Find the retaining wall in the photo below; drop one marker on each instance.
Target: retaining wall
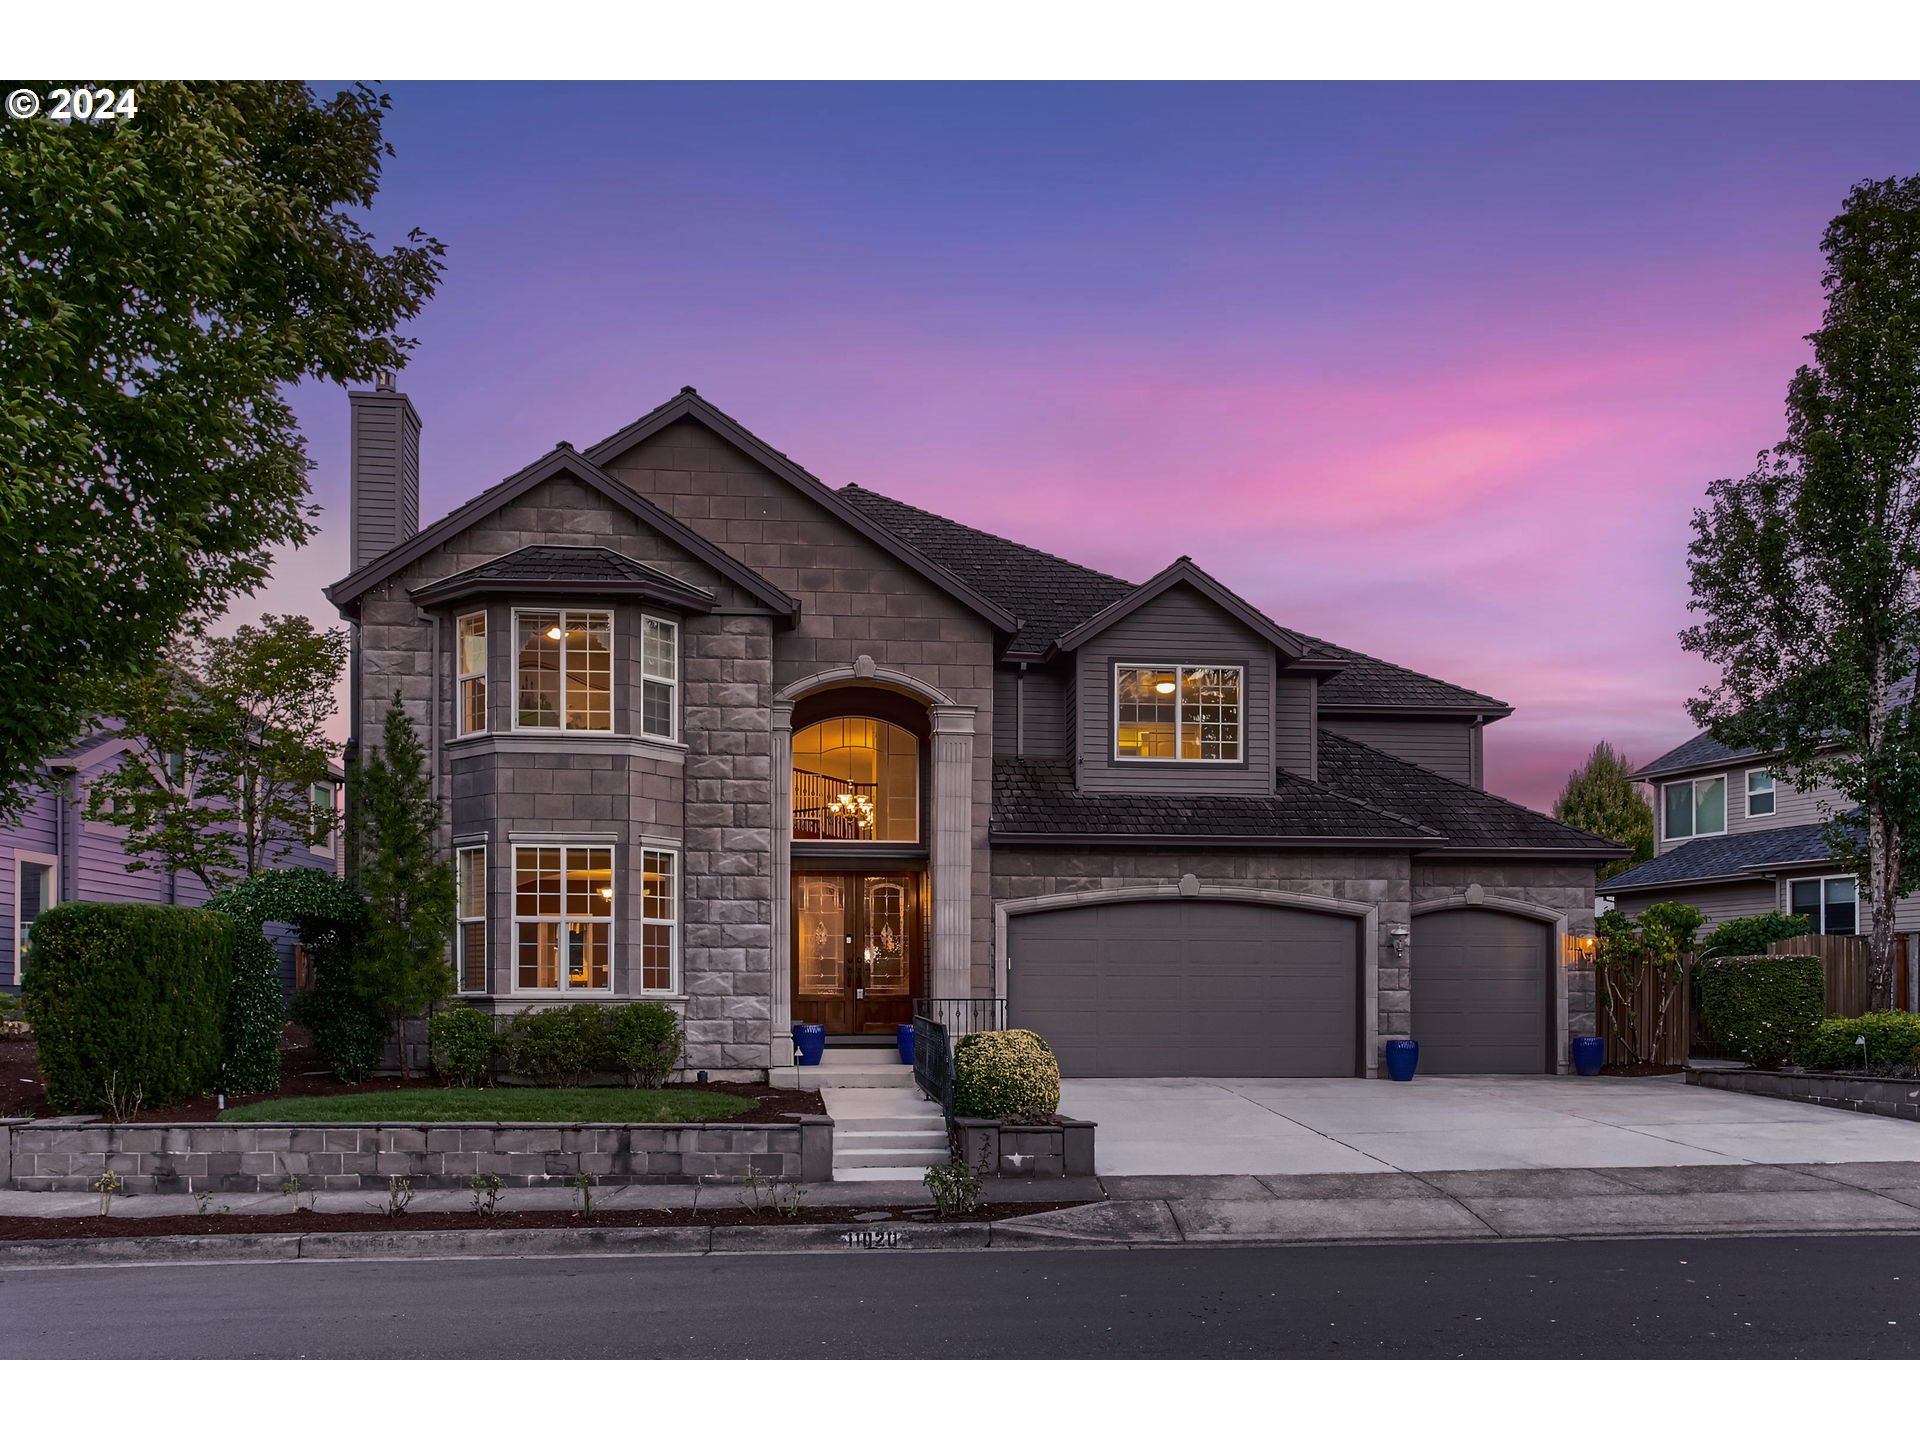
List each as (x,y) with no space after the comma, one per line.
(1899,1099)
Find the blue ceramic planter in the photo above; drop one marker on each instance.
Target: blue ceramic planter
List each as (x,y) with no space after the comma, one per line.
(1589,1054)
(903,1036)
(1403,1058)
(812,1043)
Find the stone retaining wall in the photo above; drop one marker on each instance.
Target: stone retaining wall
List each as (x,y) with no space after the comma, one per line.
(993,1147)
(174,1159)
(1899,1099)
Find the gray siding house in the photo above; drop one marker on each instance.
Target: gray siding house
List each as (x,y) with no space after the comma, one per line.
(710,731)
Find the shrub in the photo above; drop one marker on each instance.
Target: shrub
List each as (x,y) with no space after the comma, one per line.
(560,1046)
(1761,1007)
(1752,934)
(1893,1038)
(128,1002)
(464,1044)
(954,1186)
(643,1043)
(997,1073)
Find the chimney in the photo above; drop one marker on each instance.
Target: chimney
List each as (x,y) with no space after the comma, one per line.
(384,470)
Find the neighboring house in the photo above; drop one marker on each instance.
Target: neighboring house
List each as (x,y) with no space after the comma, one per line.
(709,731)
(53,853)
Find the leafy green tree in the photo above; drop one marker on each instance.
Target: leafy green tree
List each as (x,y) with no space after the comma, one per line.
(401,966)
(229,739)
(1598,797)
(1752,934)
(163,278)
(1806,571)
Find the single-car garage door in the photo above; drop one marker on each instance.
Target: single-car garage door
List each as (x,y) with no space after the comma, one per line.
(1480,992)
(1188,987)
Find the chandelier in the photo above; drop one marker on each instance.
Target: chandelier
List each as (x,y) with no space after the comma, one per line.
(857,808)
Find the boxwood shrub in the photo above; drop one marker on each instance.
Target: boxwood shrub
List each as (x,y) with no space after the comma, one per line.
(563,1045)
(999,1073)
(128,1003)
(464,1043)
(1893,1038)
(643,1043)
(1761,1008)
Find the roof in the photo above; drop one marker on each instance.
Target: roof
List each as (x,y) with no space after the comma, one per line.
(1184,572)
(1054,596)
(1470,819)
(561,569)
(1724,857)
(1036,799)
(1699,752)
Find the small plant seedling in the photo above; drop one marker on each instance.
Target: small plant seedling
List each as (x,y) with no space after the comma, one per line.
(486,1194)
(107,1186)
(291,1187)
(583,1182)
(203,1202)
(399,1195)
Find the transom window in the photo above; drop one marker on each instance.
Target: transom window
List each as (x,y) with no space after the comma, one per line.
(659,667)
(1832,902)
(563,663)
(1177,712)
(1695,807)
(563,917)
(856,778)
(471,663)
(1759,793)
(470,906)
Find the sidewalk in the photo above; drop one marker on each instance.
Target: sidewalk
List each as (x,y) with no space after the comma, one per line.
(1121,1212)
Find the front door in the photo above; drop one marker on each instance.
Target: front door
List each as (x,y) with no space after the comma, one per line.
(856,950)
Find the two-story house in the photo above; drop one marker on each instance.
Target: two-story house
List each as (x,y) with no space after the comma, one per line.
(710,731)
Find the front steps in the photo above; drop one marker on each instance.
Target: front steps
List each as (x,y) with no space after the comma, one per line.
(883,1127)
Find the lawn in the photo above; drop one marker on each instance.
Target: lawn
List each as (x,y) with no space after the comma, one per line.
(508,1104)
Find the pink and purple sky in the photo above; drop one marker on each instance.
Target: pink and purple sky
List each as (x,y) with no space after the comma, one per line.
(1434,371)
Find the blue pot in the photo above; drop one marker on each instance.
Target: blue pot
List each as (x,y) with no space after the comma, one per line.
(903,1037)
(1403,1058)
(812,1041)
(1589,1054)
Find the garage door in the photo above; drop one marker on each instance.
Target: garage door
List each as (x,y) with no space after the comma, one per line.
(1188,987)
(1480,996)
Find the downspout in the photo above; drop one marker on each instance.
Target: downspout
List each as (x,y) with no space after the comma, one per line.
(1020,712)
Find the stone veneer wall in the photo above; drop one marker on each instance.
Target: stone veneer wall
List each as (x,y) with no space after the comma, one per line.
(175,1159)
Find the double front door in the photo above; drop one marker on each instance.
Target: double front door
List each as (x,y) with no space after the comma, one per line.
(857,950)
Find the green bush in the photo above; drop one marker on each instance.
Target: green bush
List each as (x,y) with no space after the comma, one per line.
(643,1043)
(348,1031)
(560,1046)
(128,1003)
(464,1044)
(1893,1038)
(997,1073)
(325,911)
(1761,1007)
(1752,934)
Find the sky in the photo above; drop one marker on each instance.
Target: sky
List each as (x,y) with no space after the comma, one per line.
(1438,372)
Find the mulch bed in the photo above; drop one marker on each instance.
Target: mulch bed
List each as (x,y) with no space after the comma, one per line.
(365,1219)
(1641,1070)
(304,1073)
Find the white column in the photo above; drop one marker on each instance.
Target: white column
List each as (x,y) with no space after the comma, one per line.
(951,836)
(780,1067)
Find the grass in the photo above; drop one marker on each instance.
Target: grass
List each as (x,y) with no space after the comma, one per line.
(508,1104)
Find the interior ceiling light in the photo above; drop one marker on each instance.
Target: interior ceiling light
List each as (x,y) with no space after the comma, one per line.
(554,633)
(606,892)
(1164,687)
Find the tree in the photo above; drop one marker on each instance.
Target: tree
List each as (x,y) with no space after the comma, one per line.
(163,278)
(1806,571)
(1598,797)
(401,965)
(229,739)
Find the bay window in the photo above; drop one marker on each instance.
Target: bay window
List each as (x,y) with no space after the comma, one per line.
(563,917)
(470,908)
(1692,808)
(563,669)
(470,649)
(1177,712)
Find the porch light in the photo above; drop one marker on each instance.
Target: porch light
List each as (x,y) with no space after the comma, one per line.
(1582,947)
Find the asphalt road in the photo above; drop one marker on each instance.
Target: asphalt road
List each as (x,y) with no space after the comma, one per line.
(1827,1296)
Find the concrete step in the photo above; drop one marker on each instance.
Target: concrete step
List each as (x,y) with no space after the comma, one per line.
(922,1139)
(860,1059)
(883,1172)
(891,1125)
(889,1156)
(819,1077)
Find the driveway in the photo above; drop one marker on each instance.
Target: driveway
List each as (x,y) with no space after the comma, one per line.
(1306,1127)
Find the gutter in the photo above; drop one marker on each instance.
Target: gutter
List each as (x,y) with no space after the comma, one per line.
(1535,852)
(1272,842)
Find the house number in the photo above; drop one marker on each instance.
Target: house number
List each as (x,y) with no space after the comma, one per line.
(874,1239)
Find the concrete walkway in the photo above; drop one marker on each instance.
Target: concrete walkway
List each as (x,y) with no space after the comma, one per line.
(1358,1127)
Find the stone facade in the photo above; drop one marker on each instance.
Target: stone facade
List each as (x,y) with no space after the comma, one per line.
(176,1159)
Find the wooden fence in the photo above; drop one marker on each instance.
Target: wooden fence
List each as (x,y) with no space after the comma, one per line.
(1656,1044)
(1844,959)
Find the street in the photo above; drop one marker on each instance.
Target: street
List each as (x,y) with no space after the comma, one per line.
(1814,1297)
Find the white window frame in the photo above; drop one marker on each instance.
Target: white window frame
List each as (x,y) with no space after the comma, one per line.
(672,925)
(672,682)
(612,919)
(1179,670)
(1821,927)
(22,859)
(1771,792)
(462,676)
(465,916)
(325,847)
(1725,807)
(563,611)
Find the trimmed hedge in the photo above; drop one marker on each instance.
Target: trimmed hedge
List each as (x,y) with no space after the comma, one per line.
(561,1046)
(129,1003)
(643,1043)
(1761,1007)
(1752,934)
(1893,1038)
(464,1045)
(998,1073)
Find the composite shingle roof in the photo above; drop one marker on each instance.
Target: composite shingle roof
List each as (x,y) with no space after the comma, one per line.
(1723,857)
(568,567)
(1701,750)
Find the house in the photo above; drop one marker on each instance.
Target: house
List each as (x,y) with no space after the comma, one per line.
(708,730)
(52,852)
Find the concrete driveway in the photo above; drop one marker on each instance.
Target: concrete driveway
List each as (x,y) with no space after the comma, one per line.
(1307,1127)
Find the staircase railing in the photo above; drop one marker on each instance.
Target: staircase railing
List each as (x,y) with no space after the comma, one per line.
(937,1024)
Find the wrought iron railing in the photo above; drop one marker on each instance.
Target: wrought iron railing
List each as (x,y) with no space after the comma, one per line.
(937,1024)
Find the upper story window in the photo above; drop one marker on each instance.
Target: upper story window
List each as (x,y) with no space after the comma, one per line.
(563,669)
(659,667)
(856,778)
(1690,808)
(1832,903)
(1177,712)
(1759,793)
(471,665)
(322,806)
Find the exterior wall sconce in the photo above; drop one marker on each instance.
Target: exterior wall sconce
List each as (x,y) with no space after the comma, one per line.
(1582,948)
(1402,940)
